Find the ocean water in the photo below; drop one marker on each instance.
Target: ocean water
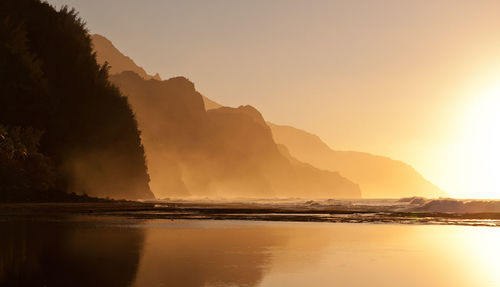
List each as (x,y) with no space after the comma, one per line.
(121,251)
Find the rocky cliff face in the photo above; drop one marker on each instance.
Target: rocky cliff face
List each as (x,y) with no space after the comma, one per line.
(171,117)
(117,61)
(378,176)
(225,152)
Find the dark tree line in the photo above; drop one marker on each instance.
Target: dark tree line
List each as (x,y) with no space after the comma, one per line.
(53,92)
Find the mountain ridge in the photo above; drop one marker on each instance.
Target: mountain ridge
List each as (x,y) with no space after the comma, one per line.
(121,62)
(316,149)
(310,148)
(228,152)
(378,176)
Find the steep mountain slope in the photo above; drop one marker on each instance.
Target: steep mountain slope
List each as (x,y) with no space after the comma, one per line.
(109,53)
(226,152)
(55,98)
(378,177)
(171,117)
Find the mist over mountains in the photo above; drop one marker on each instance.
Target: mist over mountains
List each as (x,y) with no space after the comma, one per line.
(76,115)
(282,161)
(378,176)
(224,152)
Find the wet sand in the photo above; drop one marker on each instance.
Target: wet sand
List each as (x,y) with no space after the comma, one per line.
(249,211)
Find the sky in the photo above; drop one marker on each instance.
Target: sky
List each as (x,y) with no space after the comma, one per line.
(418,81)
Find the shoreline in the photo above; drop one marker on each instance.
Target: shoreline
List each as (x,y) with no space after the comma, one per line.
(215,211)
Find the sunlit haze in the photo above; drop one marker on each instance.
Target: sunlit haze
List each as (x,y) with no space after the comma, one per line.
(415,81)
(250,143)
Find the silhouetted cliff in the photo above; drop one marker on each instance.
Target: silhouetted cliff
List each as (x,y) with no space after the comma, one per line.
(51,83)
(108,52)
(378,176)
(222,152)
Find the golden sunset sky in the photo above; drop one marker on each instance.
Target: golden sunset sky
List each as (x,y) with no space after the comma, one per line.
(418,81)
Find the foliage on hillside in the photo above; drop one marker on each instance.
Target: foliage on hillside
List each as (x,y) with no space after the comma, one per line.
(52,87)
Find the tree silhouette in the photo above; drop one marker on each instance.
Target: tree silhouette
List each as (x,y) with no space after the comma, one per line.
(50,81)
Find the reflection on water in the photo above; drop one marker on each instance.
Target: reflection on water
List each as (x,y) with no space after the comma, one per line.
(206,253)
(68,253)
(94,251)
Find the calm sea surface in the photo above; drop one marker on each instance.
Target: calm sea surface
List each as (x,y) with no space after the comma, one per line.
(111,251)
